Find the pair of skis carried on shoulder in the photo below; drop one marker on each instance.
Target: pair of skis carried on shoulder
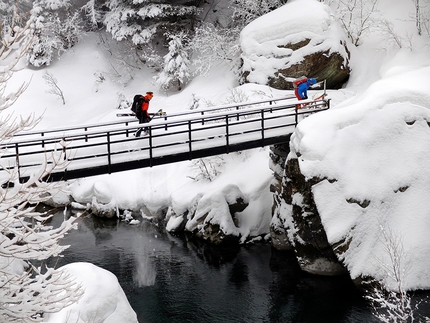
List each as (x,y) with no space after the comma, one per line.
(159,114)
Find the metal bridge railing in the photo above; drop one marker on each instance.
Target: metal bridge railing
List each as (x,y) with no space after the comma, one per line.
(107,148)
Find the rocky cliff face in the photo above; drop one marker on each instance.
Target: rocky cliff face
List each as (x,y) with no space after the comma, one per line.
(278,233)
(296,222)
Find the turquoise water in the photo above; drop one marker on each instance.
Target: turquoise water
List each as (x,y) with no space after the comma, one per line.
(174,279)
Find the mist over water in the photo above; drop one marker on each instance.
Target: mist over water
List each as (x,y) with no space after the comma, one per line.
(144,271)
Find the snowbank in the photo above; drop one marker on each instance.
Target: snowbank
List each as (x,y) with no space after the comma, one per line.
(375,150)
(153,190)
(103,301)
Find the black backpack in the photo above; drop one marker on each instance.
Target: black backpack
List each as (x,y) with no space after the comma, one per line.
(137,103)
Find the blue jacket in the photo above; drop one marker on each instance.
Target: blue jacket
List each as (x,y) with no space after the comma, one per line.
(302,89)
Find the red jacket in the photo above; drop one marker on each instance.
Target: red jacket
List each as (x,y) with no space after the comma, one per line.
(145,104)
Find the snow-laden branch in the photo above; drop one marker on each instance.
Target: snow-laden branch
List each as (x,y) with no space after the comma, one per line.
(36,291)
(28,292)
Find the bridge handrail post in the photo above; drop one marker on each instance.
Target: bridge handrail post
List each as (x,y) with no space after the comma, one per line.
(203,119)
(262,128)
(109,152)
(150,146)
(43,141)
(63,144)
(189,140)
(86,136)
(17,160)
(227,135)
(64,149)
(296,109)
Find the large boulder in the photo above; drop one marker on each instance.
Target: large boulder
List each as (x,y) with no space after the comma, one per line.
(302,38)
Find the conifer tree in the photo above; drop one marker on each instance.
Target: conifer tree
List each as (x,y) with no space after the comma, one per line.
(93,14)
(176,71)
(143,20)
(245,11)
(57,28)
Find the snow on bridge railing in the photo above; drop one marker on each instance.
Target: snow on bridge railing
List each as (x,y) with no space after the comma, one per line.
(218,108)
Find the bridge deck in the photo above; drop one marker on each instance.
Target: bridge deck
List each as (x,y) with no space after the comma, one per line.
(107,148)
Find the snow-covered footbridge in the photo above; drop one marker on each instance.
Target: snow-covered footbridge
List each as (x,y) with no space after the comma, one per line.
(111,147)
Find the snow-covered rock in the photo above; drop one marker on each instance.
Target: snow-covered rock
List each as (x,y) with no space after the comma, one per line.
(214,219)
(366,164)
(175,223)
(103,301)
(300,38)
(103,204)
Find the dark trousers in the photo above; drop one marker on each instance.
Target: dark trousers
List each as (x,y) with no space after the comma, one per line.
(142,119)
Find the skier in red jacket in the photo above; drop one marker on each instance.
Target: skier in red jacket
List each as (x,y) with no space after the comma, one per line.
(143,115)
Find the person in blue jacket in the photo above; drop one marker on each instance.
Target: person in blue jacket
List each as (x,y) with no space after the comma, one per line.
(301,91)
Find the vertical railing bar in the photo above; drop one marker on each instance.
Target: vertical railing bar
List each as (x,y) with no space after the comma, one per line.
(43,141)
(17,160)
(86,136)
(63,144)
(109,152)
(325,88)
(262,128)
(189,141)
(64,148)
(150,147)
(296,115)
(227,135)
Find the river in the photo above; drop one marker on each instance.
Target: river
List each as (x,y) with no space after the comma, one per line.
(177,280)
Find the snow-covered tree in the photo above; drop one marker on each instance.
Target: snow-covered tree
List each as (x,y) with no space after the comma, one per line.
(93,14)
(422,16)
(393,303)
(245,11)
(357,17)
(27,291)
(176,71)
(214,44)
(143,20)
(57,28)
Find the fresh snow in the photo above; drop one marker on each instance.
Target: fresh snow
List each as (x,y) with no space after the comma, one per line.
(103,299)
(374,142)
(386,132)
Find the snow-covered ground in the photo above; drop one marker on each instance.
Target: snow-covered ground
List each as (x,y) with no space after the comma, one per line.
(368,141)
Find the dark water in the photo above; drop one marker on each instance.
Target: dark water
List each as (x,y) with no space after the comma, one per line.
(172,279)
